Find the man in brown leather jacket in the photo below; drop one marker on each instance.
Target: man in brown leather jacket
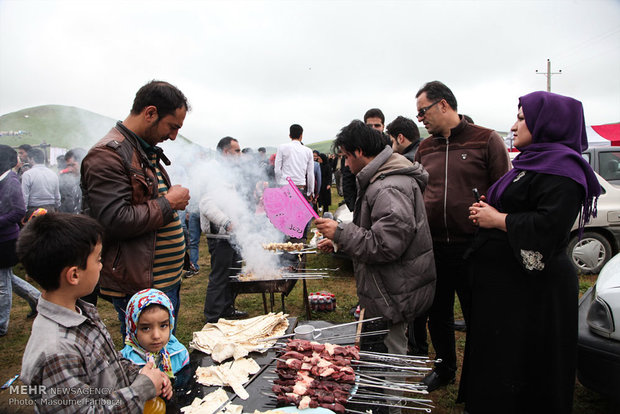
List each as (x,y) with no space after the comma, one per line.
(458,156)
(127,190)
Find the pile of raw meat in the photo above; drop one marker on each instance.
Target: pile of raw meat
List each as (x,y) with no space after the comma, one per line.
(315,375)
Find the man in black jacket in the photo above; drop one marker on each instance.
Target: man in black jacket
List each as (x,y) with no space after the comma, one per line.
(405,137)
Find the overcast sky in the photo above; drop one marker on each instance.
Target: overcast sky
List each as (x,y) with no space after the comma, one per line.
(252,68)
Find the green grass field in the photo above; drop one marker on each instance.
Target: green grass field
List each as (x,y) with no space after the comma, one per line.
(191,319)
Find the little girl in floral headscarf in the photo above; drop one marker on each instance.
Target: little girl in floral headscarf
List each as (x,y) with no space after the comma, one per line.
(148,318)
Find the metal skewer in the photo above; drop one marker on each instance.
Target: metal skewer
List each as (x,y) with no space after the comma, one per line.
(377,364)
(371,379)
(361,335)
(383,404)
(348,323)
(334,336)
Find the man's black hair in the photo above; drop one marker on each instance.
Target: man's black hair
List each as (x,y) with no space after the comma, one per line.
(25,147)
(165,97)
(224,143)
(295,131)
(468,118)
(436,91)
(8,158)
(405,126)
(261,149)
(54,241)
(374,113)
(36,155)
(358,135)
(60,162)
(77,154)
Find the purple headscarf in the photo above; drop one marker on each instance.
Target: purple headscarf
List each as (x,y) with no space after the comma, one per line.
(559,137)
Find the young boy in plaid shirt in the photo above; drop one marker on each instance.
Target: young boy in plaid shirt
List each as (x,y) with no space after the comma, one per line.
(70,361)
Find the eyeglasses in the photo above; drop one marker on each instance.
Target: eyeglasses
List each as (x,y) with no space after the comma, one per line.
(424,110)
(375,125)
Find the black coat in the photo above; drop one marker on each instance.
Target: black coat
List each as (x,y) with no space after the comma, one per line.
(521,348)
(349,187)
(325,194)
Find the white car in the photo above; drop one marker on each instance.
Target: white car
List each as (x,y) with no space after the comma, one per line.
(598,363)
(600,239)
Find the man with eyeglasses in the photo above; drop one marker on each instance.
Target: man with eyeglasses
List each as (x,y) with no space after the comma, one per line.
(459,156)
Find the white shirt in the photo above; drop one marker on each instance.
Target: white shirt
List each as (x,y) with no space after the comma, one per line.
(295,160)
(40,187)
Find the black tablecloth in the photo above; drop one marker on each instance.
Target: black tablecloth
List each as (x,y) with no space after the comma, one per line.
(260,384)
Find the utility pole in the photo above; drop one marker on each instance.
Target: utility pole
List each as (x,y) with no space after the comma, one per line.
(548,74)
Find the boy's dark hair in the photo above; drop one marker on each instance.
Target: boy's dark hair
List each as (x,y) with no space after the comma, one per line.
(295,131)
(374,113)
(25,147)
(165,97)
(224,143)
(54,241)
(8,158)
(36,155)
(405,126)
(436,91)
(358,135)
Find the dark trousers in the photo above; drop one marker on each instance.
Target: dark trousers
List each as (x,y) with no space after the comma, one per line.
(452,276)
(120,304)
(416,333)
(220,298)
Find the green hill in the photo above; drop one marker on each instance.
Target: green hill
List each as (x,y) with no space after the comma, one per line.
(57,125)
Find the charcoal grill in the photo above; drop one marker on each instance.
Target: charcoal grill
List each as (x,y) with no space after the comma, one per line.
(283,286)
(264,287)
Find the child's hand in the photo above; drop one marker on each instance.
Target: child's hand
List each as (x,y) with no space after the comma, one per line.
(159,379)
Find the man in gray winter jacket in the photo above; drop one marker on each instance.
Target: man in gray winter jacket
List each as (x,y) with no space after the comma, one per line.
(389,239)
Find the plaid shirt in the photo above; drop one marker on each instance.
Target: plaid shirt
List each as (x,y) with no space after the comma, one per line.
(71,366)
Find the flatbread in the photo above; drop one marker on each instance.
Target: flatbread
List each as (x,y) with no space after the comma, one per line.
(234,374)
(237,338)
(210,402)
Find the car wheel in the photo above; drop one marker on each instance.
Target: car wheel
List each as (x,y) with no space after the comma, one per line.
(590,253)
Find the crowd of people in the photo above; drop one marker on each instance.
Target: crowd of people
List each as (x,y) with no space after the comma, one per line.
(29,188)
(419,236)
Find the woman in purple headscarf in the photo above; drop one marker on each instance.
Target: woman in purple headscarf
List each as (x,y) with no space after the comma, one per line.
(520,354)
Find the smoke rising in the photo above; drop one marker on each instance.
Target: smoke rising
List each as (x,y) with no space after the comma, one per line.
(235,187)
